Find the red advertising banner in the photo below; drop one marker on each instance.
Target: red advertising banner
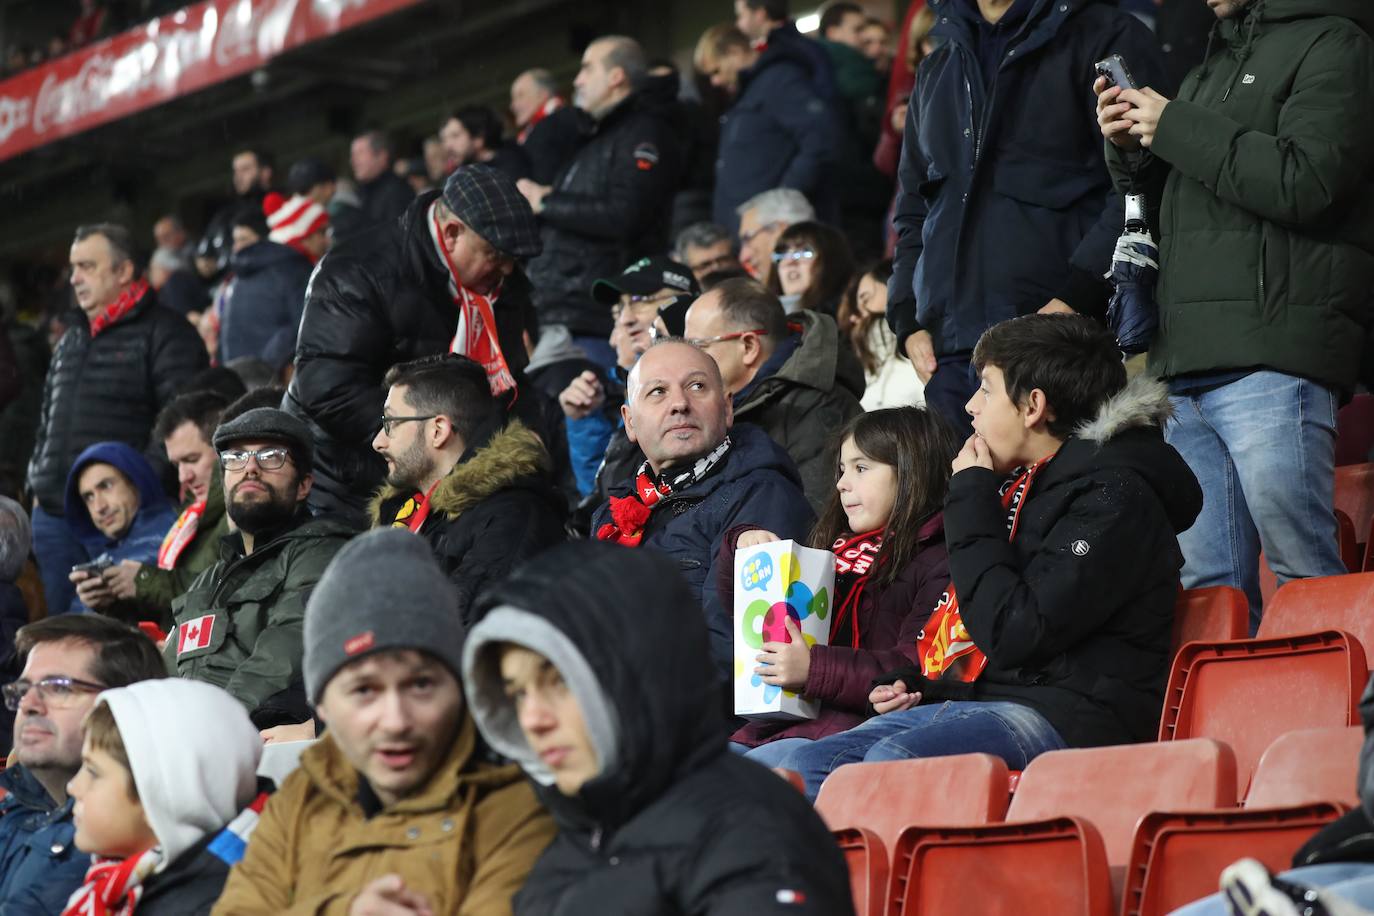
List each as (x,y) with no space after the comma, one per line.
(193,48)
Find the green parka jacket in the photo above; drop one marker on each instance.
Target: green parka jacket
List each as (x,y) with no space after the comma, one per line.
(1266,220)
(239,626)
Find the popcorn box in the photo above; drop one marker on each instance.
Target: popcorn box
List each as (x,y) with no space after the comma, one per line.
(772,582)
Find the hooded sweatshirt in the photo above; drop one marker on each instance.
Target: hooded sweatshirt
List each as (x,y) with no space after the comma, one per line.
(155,513)
(672,823)
(190,788)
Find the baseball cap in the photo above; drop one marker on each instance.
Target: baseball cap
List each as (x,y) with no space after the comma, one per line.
(645,276)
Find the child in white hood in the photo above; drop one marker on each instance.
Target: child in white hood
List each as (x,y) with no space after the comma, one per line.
(165,798)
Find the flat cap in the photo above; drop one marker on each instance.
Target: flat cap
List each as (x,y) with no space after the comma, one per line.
(269,425)
(487,200)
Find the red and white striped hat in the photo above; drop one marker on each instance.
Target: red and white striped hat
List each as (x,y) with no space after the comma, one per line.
(291,220)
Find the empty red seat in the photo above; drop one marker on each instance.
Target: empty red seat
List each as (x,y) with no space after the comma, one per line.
(867,805)
(1309,765)
(1354,494)
(1109,787)
(1326,603)
(1210,615)
(1047,868)
(1247,693)
(1178,858)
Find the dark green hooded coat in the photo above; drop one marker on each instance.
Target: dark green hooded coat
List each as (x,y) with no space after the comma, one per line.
(1266,222)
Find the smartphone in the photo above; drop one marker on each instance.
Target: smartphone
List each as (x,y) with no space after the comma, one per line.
(1114,69)
(95,567)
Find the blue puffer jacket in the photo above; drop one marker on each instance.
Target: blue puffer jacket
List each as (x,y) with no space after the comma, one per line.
(40,865)
(757,485)
(264,305)
(155,513)
(1005,202)
(781,130)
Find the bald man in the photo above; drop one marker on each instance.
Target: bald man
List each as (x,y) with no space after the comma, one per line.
(702,477)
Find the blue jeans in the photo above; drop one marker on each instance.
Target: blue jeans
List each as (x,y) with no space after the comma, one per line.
(56,551)
(1011,731)
(771,754)
(1350,881)
(1264,450)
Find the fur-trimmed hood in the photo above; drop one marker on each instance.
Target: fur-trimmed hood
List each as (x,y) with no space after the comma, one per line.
(512,453)
(1143,402)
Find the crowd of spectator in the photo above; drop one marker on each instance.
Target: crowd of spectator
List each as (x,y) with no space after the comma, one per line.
(380,544)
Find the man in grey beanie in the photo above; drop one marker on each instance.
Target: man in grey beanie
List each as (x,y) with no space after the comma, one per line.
(394,809)
(445,278)
(239,626)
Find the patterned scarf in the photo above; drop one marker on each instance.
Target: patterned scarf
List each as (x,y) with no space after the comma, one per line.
(944,646)
(414,511)
(855,559)
(476,335)
(629,514)
(180,534)
(120,307)
(113,886)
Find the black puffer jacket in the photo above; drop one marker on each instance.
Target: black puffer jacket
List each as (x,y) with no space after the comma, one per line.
(1075,614)
(379,299)
(677,824)
(110,388)
(497,508)
(609,207)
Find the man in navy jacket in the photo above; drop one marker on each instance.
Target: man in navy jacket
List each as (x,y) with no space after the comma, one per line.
(1005,207)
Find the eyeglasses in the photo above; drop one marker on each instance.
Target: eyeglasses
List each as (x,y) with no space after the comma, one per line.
(746,237)
(642,303)
(803,254)
(389,423)
(268,459)
(701,343)
(56,692)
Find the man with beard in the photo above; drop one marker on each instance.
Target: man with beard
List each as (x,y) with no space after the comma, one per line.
(472,482)
(67,661)
(239,625)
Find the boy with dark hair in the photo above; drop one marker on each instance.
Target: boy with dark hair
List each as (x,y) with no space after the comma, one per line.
(160,818)
(1062,521)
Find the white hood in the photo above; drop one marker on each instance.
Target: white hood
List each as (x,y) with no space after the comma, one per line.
(194,755)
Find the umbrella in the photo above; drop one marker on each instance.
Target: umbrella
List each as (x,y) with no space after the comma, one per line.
(1132,314)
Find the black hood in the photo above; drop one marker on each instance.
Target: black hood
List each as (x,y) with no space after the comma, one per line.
(632,617)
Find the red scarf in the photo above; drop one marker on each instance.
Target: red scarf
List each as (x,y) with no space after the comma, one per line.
(855,559)
(180,534)
(476,335)
(120,307)
(412,515)
(629,514)
(944,646)
(552,104)
(113,886)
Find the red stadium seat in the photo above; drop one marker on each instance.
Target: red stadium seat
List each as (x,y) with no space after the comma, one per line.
(1247,693)
(1307,766)
(867,805)
(1354,494)
(1355,556)
(1048,868)
(792,777)
(1210,615)
(1107,787)
(1178,858)
(1327,603)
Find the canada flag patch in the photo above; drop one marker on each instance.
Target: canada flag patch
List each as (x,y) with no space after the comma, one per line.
(195,634)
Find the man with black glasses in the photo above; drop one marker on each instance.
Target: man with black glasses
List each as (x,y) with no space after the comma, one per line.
(239,625)
(68,660)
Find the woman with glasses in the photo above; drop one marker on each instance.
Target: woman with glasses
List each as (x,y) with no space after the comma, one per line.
(812,267)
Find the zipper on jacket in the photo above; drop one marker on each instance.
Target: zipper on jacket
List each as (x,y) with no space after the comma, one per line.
(1264,250)
(596,838)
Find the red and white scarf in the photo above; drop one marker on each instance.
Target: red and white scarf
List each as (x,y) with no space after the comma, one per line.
(120,307)
(113,886)
(944,646)
(181,533)
(629,514)
(414,511)
(476,335)
(856,556)
(552,104)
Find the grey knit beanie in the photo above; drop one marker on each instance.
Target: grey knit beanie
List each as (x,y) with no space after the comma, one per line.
(382,591)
